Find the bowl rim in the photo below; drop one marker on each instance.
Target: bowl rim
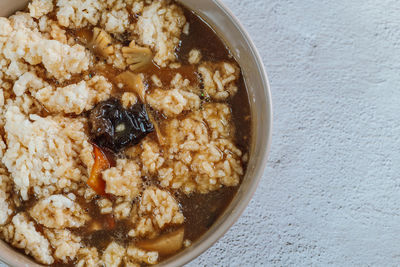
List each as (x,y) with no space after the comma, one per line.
(207,243)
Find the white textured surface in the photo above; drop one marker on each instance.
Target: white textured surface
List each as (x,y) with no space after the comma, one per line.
(330,194)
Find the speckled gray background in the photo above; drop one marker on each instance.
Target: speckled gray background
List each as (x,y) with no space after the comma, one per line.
(330,194)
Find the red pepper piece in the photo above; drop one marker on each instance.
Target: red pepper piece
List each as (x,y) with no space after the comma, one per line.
(101,163)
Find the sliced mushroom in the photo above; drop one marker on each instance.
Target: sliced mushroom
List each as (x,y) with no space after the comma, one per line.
(160,137)
(102,42)
(134,83)
(166,244)
(136,56)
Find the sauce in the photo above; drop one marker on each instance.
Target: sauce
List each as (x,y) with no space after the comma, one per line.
(200,210)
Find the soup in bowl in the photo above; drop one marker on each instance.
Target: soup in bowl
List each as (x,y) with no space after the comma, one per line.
(133,132)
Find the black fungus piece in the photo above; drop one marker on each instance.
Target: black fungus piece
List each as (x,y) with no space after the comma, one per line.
(114,127)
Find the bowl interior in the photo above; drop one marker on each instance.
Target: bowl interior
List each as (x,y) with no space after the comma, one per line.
(230,30)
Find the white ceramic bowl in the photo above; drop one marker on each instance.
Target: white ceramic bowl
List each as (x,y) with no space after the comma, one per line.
(230,30)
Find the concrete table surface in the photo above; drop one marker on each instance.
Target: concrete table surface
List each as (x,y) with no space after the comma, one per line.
(330,194)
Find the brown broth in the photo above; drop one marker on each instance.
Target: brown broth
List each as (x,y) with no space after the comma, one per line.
(201,211)
(202,37)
